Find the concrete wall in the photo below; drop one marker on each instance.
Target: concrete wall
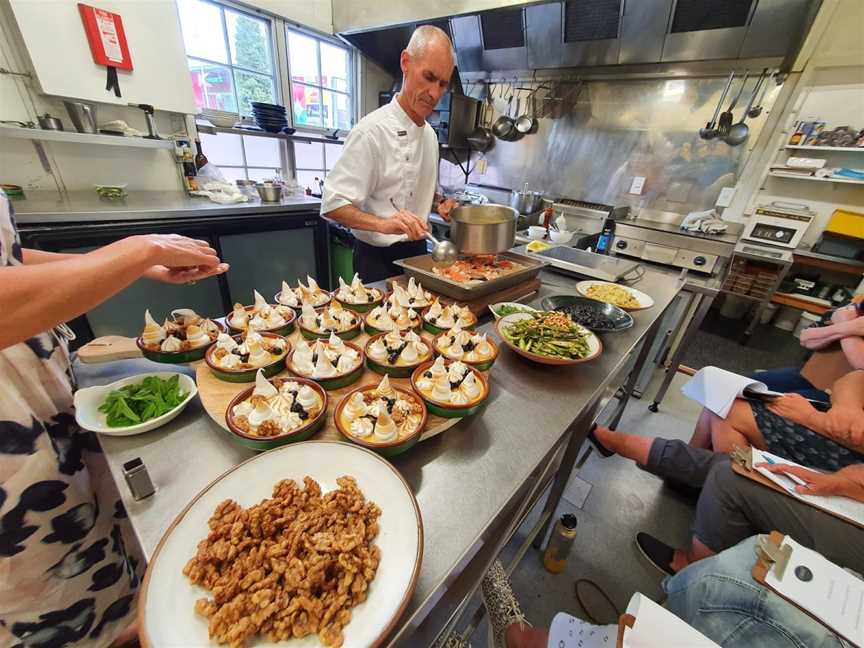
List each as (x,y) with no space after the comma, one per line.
(316,14)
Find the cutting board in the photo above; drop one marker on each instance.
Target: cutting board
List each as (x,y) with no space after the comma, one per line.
(479,306)
(108,348)
(216,394)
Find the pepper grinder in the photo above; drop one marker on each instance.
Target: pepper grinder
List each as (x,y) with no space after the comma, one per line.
(152,133)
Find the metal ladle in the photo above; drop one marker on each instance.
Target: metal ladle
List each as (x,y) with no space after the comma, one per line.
(738,133)
(710,130)
(444,253)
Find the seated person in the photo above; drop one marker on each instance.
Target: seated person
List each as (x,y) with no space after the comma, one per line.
(731,508)
(846,327)
(720,598)
(791,427)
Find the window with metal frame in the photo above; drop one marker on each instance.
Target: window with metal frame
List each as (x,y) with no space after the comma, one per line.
(313,161)
(321,79)
(244,157)
(230,56)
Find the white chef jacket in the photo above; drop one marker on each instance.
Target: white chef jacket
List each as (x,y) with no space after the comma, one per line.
(386,156)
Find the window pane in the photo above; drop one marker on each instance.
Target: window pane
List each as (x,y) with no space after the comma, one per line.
(249,39)
(303,58)
(335,72)
(212,86)
(307,110)
(202,30)
(233,173)
(262,151)
(332,152)
(223,148)
(253,87)
(259,175)
(337,110)
(309,156)
(306,179)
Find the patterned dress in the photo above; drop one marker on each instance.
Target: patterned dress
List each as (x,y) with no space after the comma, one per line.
(68,564)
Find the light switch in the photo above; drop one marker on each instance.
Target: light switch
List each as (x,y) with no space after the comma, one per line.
(637,185)
(725,197)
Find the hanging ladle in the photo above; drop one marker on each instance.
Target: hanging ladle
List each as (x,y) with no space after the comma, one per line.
(756,110)
(725,122)
(710,130)
(738,133)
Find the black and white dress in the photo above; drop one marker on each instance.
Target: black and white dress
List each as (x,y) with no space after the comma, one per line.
(69,566)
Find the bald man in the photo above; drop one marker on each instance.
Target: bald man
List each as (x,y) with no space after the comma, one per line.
(383,186)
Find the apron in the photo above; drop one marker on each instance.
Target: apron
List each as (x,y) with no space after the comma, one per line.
(69,565)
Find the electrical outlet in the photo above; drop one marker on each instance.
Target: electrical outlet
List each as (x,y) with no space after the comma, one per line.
(637,185)
(725,197)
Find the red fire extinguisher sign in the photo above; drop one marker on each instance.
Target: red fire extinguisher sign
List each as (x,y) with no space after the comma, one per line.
(106,37)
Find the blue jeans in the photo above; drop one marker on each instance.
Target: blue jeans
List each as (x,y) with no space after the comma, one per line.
(720,599)
(789,380)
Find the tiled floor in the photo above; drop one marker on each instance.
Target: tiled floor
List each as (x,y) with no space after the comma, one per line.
(612,499)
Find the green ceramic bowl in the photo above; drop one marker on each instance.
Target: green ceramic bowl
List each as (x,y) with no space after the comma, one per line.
(262,444)
(392,448)
(447,410)
(247,375)
(284,330)
(179,357)
(336,382)
(485,365)
(402,371)
(362,308)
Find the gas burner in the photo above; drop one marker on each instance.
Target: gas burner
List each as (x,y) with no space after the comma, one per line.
(571,202)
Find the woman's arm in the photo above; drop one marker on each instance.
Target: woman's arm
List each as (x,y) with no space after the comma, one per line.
(35,298)
(33,257)
(846,323)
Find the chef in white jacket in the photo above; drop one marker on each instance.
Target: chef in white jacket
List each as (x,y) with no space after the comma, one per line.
(383,185)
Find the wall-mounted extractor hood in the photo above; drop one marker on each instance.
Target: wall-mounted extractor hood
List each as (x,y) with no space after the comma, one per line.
(591,33)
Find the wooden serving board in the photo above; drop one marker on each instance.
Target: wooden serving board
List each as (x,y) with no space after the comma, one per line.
(108,348)
(479,305)
(216,394)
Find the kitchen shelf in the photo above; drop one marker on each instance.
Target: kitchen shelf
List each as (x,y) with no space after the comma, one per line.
(785,299)
(815,179)
(291,138)
(17,132)
(845,149)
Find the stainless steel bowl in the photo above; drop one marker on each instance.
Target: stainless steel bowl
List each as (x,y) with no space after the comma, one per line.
(483,229)
(526,202)
(269,193)
(83,116)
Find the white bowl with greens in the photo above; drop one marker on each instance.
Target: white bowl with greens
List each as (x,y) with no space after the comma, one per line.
(135,404)
(502,309)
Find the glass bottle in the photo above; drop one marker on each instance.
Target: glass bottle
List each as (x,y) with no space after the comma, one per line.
(560,542)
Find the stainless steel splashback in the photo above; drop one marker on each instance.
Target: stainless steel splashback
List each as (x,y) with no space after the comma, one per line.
(592,144)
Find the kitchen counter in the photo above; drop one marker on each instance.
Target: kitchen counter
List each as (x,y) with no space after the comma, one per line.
(467,481)
(730,236)
(46,207)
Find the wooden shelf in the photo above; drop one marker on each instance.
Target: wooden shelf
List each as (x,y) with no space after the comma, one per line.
(844,149)
(16,132)
(828,263)
(784,299)
(814,179)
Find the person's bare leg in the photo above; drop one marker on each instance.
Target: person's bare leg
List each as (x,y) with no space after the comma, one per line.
(702,432)
(630,446)
(737,429)
(696,551)
(521,636)
(128,637)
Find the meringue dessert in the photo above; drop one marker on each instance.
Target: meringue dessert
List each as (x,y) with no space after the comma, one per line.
(392,318)
(356,293)
(446,317)
(324,359)
(398,349)
(381,415)
(467,346)
(311,293)
(261,316)
(411,297)
(254,352)
(333,319)
(453,384)
(276,407)
(185,331)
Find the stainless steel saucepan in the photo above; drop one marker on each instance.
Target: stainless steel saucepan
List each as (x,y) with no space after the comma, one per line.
(483,229)
(525,201)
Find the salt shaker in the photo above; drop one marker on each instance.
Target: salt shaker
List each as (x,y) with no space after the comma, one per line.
(560,542)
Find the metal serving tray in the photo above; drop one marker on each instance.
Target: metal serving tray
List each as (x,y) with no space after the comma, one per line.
(420,267)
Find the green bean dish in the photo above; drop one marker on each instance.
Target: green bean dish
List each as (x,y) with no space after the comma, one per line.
(552,334)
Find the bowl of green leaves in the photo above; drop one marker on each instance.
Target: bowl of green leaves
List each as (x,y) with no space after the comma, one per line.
(135,404)
(502,309)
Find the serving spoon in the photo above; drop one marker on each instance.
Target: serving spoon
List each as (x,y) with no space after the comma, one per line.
(444,253)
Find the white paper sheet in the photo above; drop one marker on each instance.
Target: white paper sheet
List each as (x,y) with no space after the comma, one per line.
(716,389)
(655,626)
(569,632)
(845,506)
(825,590)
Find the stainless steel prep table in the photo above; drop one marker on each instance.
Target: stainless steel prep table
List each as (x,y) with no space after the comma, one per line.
(474,484)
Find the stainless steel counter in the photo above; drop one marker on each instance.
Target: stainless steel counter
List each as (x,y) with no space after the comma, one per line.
(467,481)
(88,207)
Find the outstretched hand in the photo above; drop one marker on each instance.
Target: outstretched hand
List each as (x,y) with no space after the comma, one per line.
(184,275)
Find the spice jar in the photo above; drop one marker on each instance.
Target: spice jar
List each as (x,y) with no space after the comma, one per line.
(560,542)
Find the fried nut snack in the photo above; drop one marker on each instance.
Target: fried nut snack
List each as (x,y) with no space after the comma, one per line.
(289,566)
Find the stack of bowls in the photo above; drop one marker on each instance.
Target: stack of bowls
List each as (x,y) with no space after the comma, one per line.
(270,117)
